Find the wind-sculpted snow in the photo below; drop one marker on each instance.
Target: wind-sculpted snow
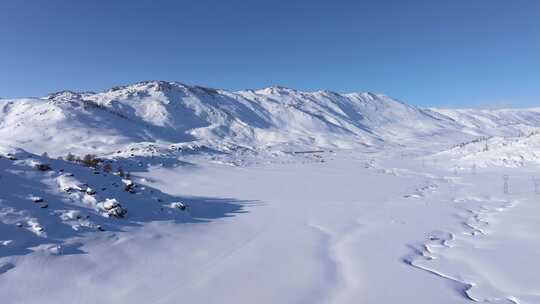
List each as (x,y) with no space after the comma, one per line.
(484,252)
(433,256)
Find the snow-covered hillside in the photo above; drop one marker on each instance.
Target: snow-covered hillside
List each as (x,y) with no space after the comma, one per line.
(514,151)
(502,122)
(270,196)
(164,113)
(50,205)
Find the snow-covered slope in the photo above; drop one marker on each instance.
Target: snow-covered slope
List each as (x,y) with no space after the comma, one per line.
(502,122)
(170,112)
(351,233)
(496,151)
(50,206)
(186,225)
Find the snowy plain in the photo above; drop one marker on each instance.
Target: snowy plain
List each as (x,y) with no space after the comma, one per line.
(292,197)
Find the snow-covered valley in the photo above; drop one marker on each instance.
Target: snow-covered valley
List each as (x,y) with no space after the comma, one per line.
(272,196)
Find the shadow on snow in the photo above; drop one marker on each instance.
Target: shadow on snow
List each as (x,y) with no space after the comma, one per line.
(19,182)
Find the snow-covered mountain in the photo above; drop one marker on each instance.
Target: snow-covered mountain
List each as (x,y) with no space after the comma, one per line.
(160,210)
(171,112)
(162,114)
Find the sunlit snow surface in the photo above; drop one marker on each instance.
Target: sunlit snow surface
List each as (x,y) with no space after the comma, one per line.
(342,227)
(268,196)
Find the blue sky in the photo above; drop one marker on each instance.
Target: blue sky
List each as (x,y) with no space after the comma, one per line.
(430,53)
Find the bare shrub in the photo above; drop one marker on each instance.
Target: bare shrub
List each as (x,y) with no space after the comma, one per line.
(43,167)
(90,160)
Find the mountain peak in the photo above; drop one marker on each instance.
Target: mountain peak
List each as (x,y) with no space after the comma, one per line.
(67,95)
(276,90)
(150,85)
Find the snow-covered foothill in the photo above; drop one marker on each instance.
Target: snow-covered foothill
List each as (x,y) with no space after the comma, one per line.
(517,151)
(70,202)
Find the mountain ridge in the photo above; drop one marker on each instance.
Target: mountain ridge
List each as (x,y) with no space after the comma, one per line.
(162,112)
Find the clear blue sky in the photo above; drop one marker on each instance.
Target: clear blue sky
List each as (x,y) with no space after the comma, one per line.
(425,52)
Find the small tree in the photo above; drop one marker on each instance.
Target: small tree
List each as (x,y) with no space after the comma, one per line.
(90,160)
